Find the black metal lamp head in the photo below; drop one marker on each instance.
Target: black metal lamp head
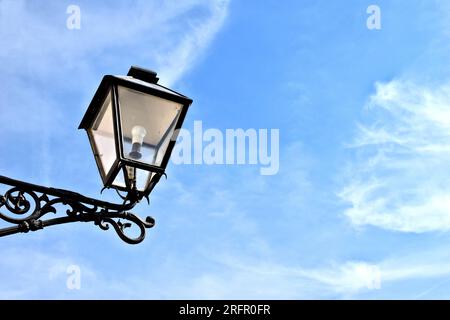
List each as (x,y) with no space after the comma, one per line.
(132,124)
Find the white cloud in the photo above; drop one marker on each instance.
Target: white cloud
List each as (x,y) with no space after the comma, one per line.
(399,178)
(168,35)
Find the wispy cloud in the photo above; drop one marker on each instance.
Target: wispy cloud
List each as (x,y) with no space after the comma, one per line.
(245,278)
(266,280)
(168,36)
(399,177)
(192,46)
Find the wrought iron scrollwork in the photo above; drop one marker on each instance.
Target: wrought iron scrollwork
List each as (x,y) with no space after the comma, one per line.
(27,205)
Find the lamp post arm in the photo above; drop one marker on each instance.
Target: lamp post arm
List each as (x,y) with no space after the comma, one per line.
(28,203)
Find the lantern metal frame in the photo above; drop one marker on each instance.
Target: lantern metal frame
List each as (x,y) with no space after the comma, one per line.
(110,85)
(29,204)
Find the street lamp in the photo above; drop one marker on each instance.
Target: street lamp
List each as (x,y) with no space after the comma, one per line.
(132,123)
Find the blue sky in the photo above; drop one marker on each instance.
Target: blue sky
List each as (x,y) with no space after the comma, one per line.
(364,120)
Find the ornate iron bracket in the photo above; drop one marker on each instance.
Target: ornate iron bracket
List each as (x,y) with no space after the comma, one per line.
(28,203)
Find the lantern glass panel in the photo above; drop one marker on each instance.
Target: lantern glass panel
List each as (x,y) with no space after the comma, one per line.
(119,181)
(148,123)
(102,133)
(142,177)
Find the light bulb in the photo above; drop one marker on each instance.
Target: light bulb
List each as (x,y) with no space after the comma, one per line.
(138,133)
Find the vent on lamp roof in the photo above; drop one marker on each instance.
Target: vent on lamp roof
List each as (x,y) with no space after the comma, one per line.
(143,74)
